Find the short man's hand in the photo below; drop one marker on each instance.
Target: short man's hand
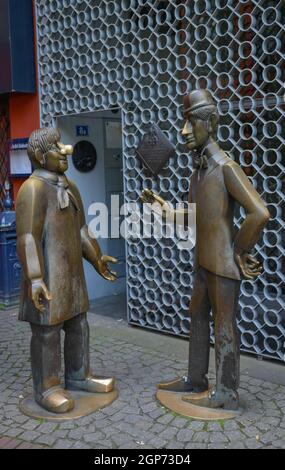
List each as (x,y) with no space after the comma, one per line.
(249,267)
(104,270)
(39,292)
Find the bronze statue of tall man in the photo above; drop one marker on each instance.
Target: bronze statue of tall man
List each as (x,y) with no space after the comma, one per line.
(53,239)
(222,253)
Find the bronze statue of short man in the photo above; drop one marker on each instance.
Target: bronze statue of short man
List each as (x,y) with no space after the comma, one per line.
(52,239)
(222,254)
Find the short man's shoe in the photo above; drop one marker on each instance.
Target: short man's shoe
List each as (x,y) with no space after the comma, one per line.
(56,400)
(184,385)
(92,384)
(227,400)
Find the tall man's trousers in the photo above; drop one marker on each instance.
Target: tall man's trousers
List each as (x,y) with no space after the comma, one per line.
(219,294)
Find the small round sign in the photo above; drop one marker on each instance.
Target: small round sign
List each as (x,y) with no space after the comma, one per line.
(84,156)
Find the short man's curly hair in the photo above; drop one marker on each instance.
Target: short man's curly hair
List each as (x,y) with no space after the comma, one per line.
(42,139)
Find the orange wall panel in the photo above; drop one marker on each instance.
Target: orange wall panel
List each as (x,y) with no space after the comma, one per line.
(24,115)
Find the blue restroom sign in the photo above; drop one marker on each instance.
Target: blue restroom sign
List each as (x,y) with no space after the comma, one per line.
(82,131)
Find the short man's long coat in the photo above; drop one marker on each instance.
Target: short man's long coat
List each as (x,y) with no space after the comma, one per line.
(49,247)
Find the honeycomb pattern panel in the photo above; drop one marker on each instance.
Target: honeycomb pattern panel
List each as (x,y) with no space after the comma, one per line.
(143,56)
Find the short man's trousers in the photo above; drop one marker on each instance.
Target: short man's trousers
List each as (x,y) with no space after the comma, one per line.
(46,352)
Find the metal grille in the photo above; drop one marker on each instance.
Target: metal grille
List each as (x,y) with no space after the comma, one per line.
(142,56)
(4,136)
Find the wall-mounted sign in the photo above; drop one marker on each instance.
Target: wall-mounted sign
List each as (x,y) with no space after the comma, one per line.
(155,149)
(20,164)
(82,131)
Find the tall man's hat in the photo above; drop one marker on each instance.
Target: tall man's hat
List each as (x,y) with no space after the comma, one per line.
(197,99)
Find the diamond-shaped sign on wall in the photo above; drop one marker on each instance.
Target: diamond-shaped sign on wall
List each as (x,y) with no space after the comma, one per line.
(155,149)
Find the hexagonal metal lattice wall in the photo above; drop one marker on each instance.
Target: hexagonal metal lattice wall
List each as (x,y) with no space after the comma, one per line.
(142,56)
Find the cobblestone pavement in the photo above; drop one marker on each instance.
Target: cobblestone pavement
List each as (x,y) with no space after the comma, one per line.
(138,359)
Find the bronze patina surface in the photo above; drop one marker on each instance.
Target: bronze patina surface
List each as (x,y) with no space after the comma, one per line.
(53,239)
(175,402)
(222,253)
(84,405)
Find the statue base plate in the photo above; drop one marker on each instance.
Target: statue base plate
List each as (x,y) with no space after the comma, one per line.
(173,401)
(85,404)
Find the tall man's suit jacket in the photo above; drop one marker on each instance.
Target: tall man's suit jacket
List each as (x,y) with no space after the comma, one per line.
(215,191)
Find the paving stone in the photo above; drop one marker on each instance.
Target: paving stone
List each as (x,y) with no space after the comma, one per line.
(251,431)
(63,444)
(60,433)
(12,432)
(4,428)
(132,445)
(29,436)
(156,413)
(144,425)
(127,427)
(158,443)
(235,435)
(196,425)
(157,428)
(47,427)
(231,425)
(169,433)
(218,437)
(48,439)
(268,437)
(76,433)
(67,425)
(180,422)
(28,445)
(253,444)
(274,422)
(196,446)
(93,437)
(81,445)
(217,445)
(30,425)
(263,427)
(21,419)
(135,419)
(236,445)
(175,445)
(201,436)
(214,426)
(185,435)
(105,445)
(165,419)
(120,439)
(9,443)
(279,444)
(149,407)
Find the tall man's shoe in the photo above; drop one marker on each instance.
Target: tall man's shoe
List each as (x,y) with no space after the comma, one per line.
(228,400)
(184,385)
(56,400)
(92,384)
